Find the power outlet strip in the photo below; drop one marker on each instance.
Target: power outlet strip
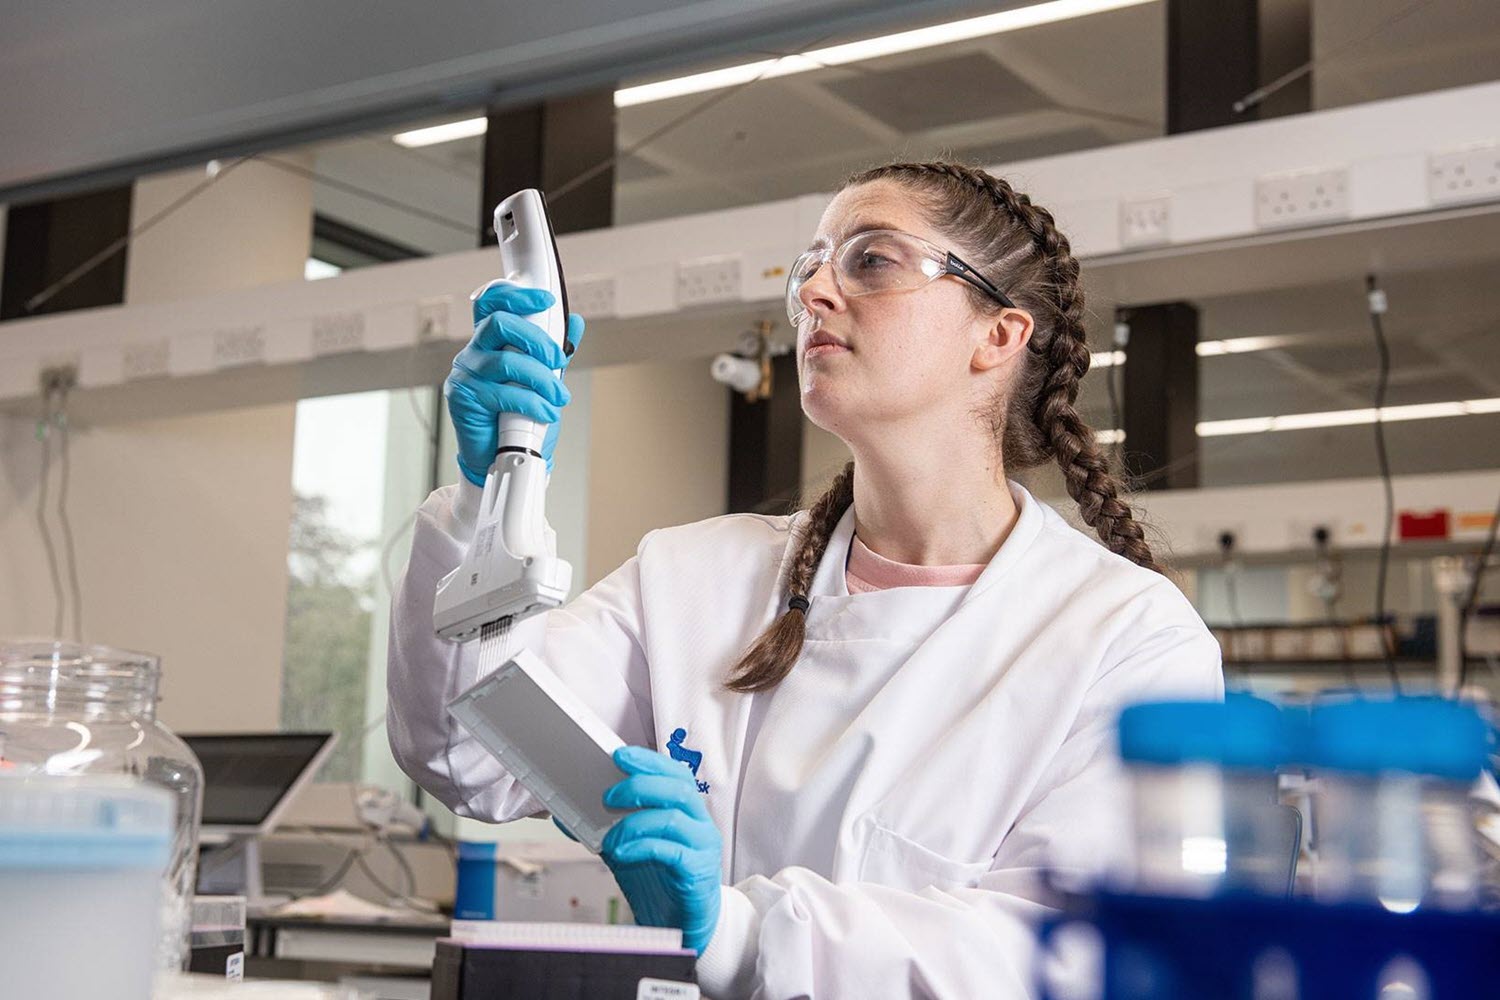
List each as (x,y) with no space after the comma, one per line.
(708,280)
(239,346)
(592,297)
(1299,199)
(1146,222)
(1464,175)
(338,333)
(151,359)
(432,321)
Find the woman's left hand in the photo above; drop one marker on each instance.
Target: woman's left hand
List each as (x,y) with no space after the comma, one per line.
(666,855)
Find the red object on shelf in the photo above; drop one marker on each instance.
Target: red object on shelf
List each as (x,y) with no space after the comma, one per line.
(1413,525)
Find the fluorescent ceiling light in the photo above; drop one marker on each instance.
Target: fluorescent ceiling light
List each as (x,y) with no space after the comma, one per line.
(1209,348)
(1347,418)
(835,55)
(1240,345)
(871,48)
(1327,418)
(442,133)
(313,269)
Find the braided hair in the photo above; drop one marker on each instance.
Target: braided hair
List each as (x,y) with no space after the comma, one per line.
(1017,245)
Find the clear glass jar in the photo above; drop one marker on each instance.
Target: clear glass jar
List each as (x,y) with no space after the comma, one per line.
(69,709)
(1204,798)
(1395,824)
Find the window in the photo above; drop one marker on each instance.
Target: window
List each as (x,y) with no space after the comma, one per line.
(360,464)
(315,269)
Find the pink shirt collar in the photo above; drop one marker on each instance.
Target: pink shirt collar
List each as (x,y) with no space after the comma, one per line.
(868,571)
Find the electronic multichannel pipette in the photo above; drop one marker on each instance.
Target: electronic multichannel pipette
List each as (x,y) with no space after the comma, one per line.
(509,572)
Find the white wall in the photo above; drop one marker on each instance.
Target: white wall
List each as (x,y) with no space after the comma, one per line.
(659,452)
(181,529)
(181,524)
(253,226)
(823,455)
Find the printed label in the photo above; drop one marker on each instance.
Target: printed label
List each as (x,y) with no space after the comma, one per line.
(234,967)
(662,989)
(485,541)
(531,886)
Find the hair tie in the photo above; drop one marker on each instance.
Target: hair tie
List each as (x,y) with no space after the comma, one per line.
(797,603)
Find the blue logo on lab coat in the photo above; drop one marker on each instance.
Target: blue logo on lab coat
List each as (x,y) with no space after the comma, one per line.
(692,758)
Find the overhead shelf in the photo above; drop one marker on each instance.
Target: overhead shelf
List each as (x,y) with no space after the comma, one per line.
(686,287)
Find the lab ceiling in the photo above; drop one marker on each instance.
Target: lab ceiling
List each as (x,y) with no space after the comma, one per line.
(1057,88)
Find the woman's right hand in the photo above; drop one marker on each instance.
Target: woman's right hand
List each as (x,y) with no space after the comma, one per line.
(488,380)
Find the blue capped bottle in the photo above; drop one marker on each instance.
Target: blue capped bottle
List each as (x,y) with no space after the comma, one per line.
(1394,822)
(1204,798)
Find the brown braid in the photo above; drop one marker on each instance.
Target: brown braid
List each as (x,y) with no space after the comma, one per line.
(773,654)
(1020,249)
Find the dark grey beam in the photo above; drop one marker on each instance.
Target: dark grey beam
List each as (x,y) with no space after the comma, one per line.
(1161,395)
(549,145)
(765,445)
(45,240)
(1213,60)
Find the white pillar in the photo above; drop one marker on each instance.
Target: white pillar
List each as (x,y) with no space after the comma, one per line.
(252,226)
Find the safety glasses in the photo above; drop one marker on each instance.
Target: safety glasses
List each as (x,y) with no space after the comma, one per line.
(882,260)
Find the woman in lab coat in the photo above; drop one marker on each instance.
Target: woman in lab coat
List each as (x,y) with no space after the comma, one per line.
(872,724)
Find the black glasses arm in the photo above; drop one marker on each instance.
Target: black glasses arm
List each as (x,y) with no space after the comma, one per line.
(955,266)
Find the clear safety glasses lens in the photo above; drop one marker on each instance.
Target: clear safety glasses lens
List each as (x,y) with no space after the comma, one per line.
(870,262)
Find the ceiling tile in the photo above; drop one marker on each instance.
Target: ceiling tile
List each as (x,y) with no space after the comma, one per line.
(634,168)
(763,128)
(1051,144)
(963,88)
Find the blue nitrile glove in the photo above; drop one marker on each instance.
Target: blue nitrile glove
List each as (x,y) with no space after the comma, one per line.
(487,381)
(665,856)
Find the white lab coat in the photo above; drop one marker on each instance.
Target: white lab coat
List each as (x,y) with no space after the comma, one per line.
(887,809)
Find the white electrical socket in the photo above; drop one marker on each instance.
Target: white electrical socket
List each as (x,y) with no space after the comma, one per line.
(1146,222)
(1468,174)
(1207,536)
(239,346)
(592,297)
(338,333)
(432,320)
(147,360)
(1301,198)
(709,279)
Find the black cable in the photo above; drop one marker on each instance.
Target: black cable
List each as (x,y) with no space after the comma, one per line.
(122,242)
(366,193)
(407,874)
(1471,600)
(355,854)
(1377,305)
(1253,98)
(401,859)
(447,842)
(1231,585)
(1116,418)
(44,435)
(1231,592)
(1331,572)
(60,421)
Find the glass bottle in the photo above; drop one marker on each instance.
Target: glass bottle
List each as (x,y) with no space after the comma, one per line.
(71,709)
